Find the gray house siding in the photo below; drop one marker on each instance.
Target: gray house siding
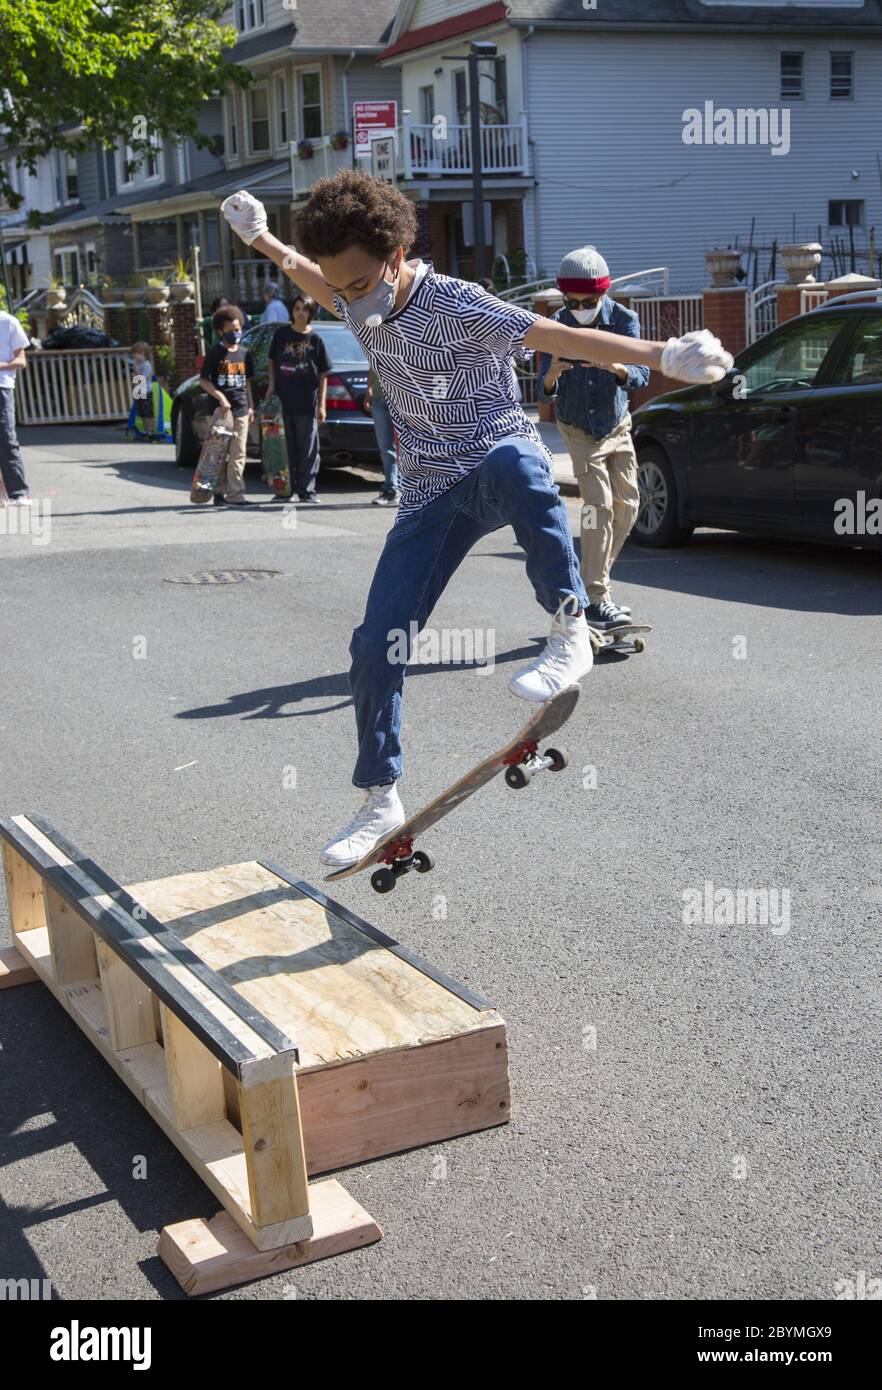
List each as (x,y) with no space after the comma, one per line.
(211,122)
(367,82)
(605,113)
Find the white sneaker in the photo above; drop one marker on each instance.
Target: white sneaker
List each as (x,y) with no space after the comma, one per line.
(381,812)
(566,658)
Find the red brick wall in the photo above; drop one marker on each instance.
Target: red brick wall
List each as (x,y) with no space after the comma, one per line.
(789,302)
(725,314)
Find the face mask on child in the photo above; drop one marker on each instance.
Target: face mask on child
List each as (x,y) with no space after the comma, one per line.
(584,316)
(232,338)
(373,308)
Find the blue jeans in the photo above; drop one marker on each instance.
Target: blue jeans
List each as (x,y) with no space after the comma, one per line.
(11,465)
(513,486)
(385,439)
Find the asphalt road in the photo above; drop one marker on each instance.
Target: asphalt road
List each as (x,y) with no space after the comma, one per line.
(696,1106)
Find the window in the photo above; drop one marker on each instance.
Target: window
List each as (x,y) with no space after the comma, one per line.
(67,266)
(500,96)
(461,95)
(427,104)
(310,105)
(841,76)
(230,111)
(863,365)
(64,167)
(281,108)
(793,358)
(258,117)
(249,15)
(110,171)
(791,76)
(139,166)
(846,212)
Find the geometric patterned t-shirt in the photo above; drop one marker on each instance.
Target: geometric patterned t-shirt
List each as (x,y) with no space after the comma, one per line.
(444,362)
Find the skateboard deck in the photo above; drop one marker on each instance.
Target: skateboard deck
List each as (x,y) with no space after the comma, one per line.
(519,759)
(623,639)
(274,452)
(212,463)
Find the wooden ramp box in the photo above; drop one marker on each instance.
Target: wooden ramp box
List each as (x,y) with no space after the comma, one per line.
(271,1033)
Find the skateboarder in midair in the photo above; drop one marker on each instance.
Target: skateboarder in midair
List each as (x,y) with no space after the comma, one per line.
(470,461)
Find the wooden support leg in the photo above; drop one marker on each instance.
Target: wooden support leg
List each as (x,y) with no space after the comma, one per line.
(14,969)
(127,1000)
(71,941)
(195,1077)
(274,1156)
(24,892)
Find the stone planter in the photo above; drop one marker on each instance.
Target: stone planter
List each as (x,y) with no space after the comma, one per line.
(157,294)
(54,298)
(721,267)
(134,295)
(799,259)
(181,291)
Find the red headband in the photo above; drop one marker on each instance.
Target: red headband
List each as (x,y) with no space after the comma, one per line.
(585,286)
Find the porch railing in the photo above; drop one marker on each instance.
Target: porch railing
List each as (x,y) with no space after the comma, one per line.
(444,148)
(249,278)
(57,388)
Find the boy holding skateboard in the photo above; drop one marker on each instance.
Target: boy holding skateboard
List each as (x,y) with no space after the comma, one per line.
(297,368)
(470,461)
(226,375)
(593,417)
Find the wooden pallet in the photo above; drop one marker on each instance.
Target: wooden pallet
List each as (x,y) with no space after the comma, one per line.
(271,1033)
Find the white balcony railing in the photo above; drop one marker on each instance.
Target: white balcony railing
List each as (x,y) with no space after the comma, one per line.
(325,162)
(443,148)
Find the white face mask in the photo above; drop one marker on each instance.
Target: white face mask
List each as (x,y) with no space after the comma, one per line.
(584,316)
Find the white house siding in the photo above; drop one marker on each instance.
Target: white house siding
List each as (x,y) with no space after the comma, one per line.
(419,71)
(605,111)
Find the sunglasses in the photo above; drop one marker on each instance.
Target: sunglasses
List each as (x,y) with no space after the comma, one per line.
(590,303)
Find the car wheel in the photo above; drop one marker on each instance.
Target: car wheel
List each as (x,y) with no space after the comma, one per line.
(657,521)
(186,443)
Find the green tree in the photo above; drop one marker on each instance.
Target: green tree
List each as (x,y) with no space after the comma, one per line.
(137,70)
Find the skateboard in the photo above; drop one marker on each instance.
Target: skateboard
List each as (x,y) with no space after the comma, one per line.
(520,760)
(274,453)
(623,639)
(212,463)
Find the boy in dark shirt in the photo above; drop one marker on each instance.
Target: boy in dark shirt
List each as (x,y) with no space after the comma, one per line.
(298,367)
(226,375)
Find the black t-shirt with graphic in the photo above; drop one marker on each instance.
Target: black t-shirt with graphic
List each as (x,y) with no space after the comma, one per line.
(228,368)
(300,358)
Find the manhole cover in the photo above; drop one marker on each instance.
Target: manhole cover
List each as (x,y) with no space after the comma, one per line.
(221,576)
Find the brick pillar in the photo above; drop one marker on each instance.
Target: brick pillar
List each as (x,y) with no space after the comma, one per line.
(115,323)
(131,333)
(789,302)
(547,303)
(725,314)
(514,224)
(183,317)
(854,284)
(156,335)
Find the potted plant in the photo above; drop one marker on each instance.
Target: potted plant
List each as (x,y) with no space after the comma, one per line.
(305,149)
(180,283)
(56,293)
(134,291)
(157,290)
(340,140)
(107,291)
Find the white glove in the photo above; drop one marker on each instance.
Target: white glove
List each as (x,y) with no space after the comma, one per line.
(698,358)
(245,214)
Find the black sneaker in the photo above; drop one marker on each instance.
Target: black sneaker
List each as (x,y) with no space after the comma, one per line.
(219,500)
(310,497)
(605,616)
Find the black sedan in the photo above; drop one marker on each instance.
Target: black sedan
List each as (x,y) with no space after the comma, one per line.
(347,436)
(789,443)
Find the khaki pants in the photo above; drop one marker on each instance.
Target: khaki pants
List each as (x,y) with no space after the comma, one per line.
(606,471)
(236,459)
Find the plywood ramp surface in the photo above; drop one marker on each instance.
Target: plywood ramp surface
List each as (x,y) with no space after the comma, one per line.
(336,992)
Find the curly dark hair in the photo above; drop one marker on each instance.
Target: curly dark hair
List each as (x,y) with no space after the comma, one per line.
(226,315)
(355,209)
